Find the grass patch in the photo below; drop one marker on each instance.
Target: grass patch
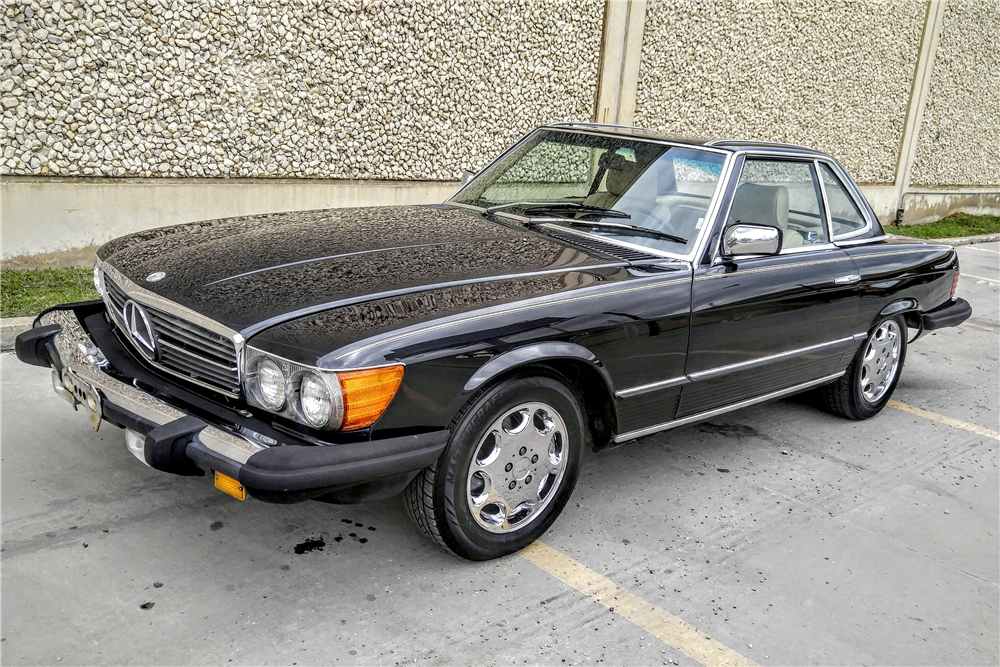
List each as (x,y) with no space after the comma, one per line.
(956,224)
(27,292)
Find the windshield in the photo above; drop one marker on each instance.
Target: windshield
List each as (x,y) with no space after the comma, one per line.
(665,189)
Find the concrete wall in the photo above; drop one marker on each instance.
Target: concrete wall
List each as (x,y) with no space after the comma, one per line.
(412,90)
(58,215)
(124,116)
(830,75)
(960,135)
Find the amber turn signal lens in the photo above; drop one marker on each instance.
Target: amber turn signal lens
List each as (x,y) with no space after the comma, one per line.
(367,394)
(227,484)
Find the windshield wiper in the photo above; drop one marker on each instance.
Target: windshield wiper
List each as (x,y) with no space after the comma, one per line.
(626,229)
(584,209)
(531,207)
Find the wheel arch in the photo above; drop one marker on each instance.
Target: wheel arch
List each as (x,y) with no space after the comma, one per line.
(908,307)
(577,366)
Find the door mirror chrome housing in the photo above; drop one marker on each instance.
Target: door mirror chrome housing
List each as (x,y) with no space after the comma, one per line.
(746,239)
(466,176)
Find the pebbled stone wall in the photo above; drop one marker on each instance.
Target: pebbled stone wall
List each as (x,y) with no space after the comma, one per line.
(392,89)
(959,142)
(831,75)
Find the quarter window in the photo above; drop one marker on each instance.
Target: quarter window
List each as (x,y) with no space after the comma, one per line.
(844,213)
(784,194)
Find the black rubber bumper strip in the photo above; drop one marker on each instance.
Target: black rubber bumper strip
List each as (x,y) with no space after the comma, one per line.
(30,345)
(299,467)
(949,315)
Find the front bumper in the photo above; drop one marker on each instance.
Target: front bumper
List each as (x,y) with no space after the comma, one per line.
(171,439)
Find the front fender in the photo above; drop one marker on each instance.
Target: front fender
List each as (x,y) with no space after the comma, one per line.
(507,361)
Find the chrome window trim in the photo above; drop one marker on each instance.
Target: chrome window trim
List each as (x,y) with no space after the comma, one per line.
(792,157)
(735,368)
(798,250)
(144,297)
(632,435)
(826,201)
(777,267)
(873,239)
(850,187)
(711,212)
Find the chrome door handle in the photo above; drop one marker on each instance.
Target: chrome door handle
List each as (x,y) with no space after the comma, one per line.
(847,280)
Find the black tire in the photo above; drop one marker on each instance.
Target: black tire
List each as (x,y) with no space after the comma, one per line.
(845,397)
(436,499)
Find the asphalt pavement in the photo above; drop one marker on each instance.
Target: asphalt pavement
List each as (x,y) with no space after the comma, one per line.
(783,533)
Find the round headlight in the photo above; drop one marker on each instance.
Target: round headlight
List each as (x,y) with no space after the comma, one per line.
(319,403)
(271,382)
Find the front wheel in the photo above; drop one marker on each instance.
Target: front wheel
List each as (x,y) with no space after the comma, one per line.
(869,381)
(507,472)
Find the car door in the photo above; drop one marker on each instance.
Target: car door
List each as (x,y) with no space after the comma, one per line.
(763,324)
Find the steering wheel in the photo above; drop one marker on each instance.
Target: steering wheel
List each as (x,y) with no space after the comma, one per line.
(658,215)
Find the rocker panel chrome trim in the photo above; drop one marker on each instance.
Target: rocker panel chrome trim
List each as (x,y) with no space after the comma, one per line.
(734,368)
(632,435)
(652,386)
(753,363)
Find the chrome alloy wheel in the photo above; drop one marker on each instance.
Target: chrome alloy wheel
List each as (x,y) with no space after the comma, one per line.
(881,361)
(517,467)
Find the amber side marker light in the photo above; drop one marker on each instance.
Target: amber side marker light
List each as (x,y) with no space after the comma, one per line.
(367,394)
(227,484)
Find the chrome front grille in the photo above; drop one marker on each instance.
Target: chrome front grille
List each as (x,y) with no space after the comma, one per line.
(183,348)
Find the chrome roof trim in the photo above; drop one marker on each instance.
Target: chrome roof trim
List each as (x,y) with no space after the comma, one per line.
(751,143)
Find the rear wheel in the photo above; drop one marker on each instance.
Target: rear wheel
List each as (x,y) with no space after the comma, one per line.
(871,378)
(508,471)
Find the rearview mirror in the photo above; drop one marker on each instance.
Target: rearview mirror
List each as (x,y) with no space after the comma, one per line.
(747,239)
(466,176)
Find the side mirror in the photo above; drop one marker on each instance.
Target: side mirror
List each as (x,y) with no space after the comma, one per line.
(466,176)
(747,239)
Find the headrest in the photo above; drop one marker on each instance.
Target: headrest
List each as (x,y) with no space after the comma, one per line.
(618,181)
(761,204)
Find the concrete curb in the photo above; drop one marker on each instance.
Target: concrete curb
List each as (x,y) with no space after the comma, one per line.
(10,327)
(957,241)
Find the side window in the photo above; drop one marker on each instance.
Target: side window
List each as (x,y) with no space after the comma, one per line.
(784,194)
(844,212)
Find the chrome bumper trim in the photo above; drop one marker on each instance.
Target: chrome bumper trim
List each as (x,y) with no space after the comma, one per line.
(72,344)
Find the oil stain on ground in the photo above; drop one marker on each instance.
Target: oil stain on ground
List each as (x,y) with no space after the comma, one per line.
(311,544)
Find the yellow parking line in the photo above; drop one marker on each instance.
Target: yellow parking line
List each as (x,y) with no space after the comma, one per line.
(984,327)
(664,626)
(989,280)
(941,419)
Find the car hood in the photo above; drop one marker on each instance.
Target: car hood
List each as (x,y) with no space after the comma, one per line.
(252,272)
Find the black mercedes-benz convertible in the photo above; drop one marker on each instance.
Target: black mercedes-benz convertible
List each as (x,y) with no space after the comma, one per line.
(594,284)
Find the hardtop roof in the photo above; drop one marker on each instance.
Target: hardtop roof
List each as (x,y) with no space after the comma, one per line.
(735,145)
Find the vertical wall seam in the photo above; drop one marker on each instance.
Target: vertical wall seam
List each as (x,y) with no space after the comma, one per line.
(631,61)
(933,26)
